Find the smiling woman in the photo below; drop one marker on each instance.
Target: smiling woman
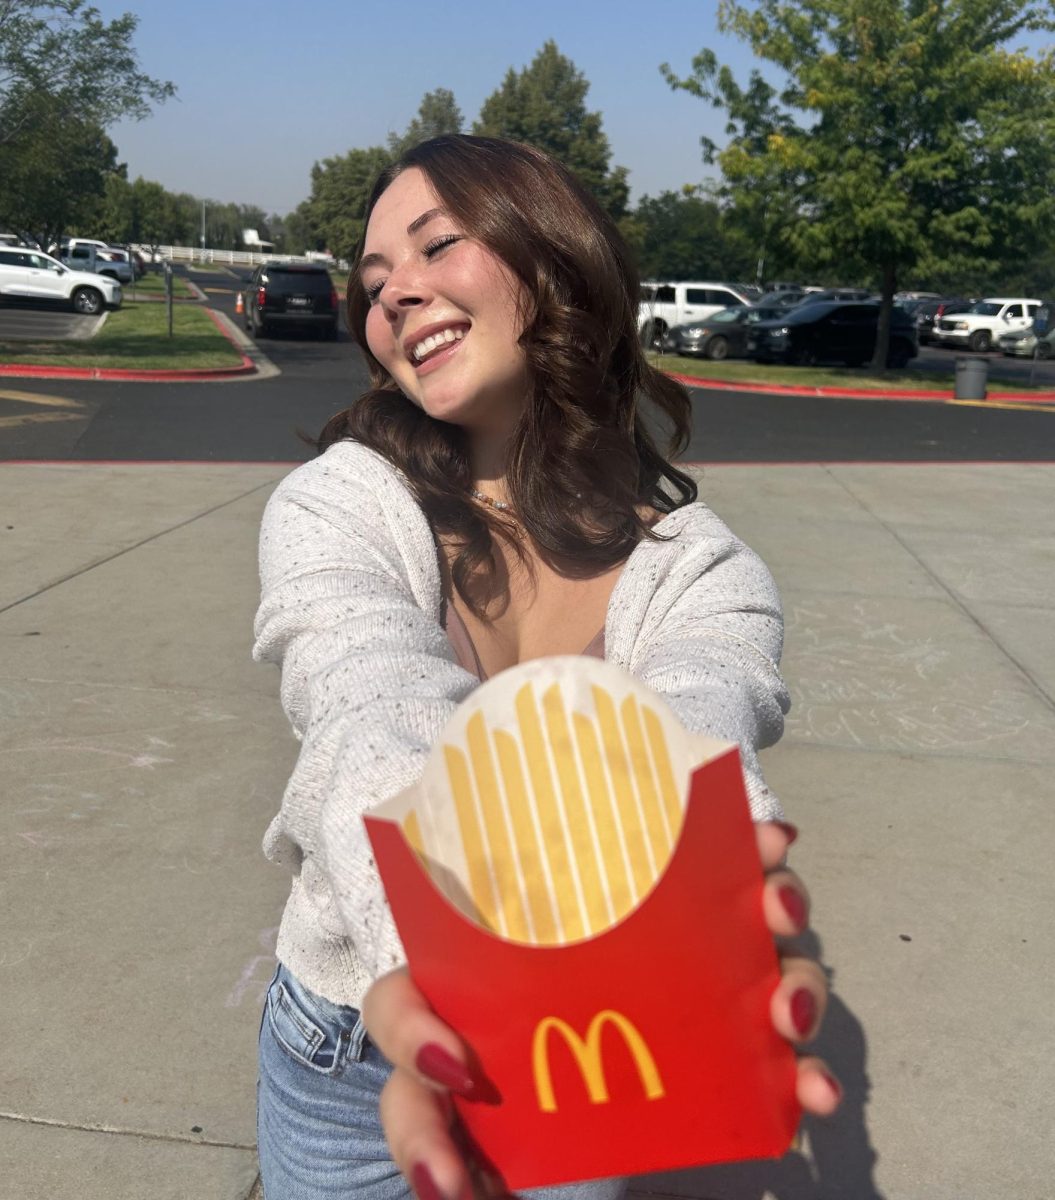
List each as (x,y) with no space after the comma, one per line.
(495,497)
(501,245)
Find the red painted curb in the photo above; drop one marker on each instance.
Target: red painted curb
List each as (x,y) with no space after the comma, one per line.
(782,389)
(36,371)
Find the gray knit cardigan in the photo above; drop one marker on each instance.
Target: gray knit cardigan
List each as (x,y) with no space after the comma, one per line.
(351,610)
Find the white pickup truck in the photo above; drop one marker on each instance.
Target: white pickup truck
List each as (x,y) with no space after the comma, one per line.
(664,305)
(982,325)
(87,254)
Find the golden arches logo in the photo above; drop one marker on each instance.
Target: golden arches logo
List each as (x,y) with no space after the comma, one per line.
(587,1052)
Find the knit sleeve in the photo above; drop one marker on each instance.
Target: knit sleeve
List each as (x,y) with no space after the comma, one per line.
(349,609)
(710,643)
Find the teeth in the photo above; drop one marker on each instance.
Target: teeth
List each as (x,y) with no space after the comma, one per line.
(435,341)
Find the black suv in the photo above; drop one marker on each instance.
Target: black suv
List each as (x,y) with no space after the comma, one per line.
(831,331)
(291,294)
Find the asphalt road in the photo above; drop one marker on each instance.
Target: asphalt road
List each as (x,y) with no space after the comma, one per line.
(261,419)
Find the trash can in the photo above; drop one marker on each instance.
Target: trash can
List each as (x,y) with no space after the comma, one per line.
(971,376)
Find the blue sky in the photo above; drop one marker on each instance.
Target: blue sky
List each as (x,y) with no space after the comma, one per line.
(266,89)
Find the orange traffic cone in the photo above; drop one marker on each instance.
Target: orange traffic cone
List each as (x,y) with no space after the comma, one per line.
(239,305)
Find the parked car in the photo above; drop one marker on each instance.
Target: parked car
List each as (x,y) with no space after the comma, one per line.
(786,297)
(87,256)
(1037,341)
(819,295)
(722,335)
(980,326)
(926,312)
(831,331)
(132,257)
(285,294)
(664,305)
(34,275)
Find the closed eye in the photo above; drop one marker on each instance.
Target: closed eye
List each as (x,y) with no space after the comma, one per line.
(430,250)
(440,243)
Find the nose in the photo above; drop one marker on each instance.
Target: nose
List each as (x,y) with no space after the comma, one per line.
(403,291)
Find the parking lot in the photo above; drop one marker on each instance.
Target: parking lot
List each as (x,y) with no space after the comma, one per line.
(941,359)
(27,322)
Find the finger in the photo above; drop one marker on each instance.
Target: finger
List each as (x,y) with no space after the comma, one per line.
(799,1001)
(416,1121)
(408,1033)
(818,1091)
(774,838)
(785,903)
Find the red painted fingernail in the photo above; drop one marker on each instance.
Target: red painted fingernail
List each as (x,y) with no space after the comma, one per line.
(442,1067)
(790,831)
(803,1010)
(423,1184)
(833,1083)
(794,905)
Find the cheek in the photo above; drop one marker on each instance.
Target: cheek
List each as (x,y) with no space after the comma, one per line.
(379,335)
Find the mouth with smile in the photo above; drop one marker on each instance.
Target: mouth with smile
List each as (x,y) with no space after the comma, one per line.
(432,346)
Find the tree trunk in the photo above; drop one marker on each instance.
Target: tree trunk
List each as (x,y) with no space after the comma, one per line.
(886,305)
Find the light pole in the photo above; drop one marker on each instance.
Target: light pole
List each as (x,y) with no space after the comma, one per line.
(203,231)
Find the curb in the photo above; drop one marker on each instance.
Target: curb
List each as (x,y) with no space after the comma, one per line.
(190,374)
(783,389)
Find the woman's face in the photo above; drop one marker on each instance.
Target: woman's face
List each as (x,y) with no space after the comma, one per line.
(443,318)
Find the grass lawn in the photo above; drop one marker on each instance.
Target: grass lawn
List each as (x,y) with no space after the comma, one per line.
(745,371)
(154,285)
(135,338)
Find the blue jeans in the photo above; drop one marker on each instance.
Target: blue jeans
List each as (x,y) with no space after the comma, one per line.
(319,1131)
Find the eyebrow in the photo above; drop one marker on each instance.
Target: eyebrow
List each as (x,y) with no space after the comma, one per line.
(373,260)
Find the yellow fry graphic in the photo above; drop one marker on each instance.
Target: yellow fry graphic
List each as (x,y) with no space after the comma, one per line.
(641,767)
(480,886)
(412,830)
(503,865)
(566,822)
(605,818)
(668,786)
(522,820)
(553,839)
(584,851)
(639,848)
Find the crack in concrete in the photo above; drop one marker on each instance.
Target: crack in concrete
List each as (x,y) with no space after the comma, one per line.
(144,1134)
(138,545)
(948,591)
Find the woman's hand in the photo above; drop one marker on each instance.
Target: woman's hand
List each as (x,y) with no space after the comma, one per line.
(430,1060)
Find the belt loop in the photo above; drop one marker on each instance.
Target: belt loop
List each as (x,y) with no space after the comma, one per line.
(357,1041)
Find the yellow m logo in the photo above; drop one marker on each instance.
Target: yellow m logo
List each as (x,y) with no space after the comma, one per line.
(588,1056)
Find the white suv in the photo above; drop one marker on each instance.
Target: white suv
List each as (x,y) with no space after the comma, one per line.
(33,275)
(983,324)
(664,305)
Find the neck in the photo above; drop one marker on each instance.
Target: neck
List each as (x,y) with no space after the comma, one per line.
(487,460)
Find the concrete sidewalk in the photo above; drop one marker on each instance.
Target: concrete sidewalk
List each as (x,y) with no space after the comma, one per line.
(144,754)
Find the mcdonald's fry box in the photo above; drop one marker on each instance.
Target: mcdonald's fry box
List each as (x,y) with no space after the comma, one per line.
(578,889)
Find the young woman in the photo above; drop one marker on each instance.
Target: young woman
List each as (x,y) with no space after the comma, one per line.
(496,497)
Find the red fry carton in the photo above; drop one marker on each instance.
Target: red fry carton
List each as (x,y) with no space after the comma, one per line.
(578,890)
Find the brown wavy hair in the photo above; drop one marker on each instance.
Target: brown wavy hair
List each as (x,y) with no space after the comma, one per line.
(581,460)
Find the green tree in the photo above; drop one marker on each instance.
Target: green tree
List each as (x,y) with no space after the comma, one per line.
(545,106)
(438,113)
(684,236)
(53,178)
(65,50)
(907,141)
(339,190)
(65,76)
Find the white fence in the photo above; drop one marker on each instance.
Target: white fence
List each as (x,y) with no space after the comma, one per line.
(234,258)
